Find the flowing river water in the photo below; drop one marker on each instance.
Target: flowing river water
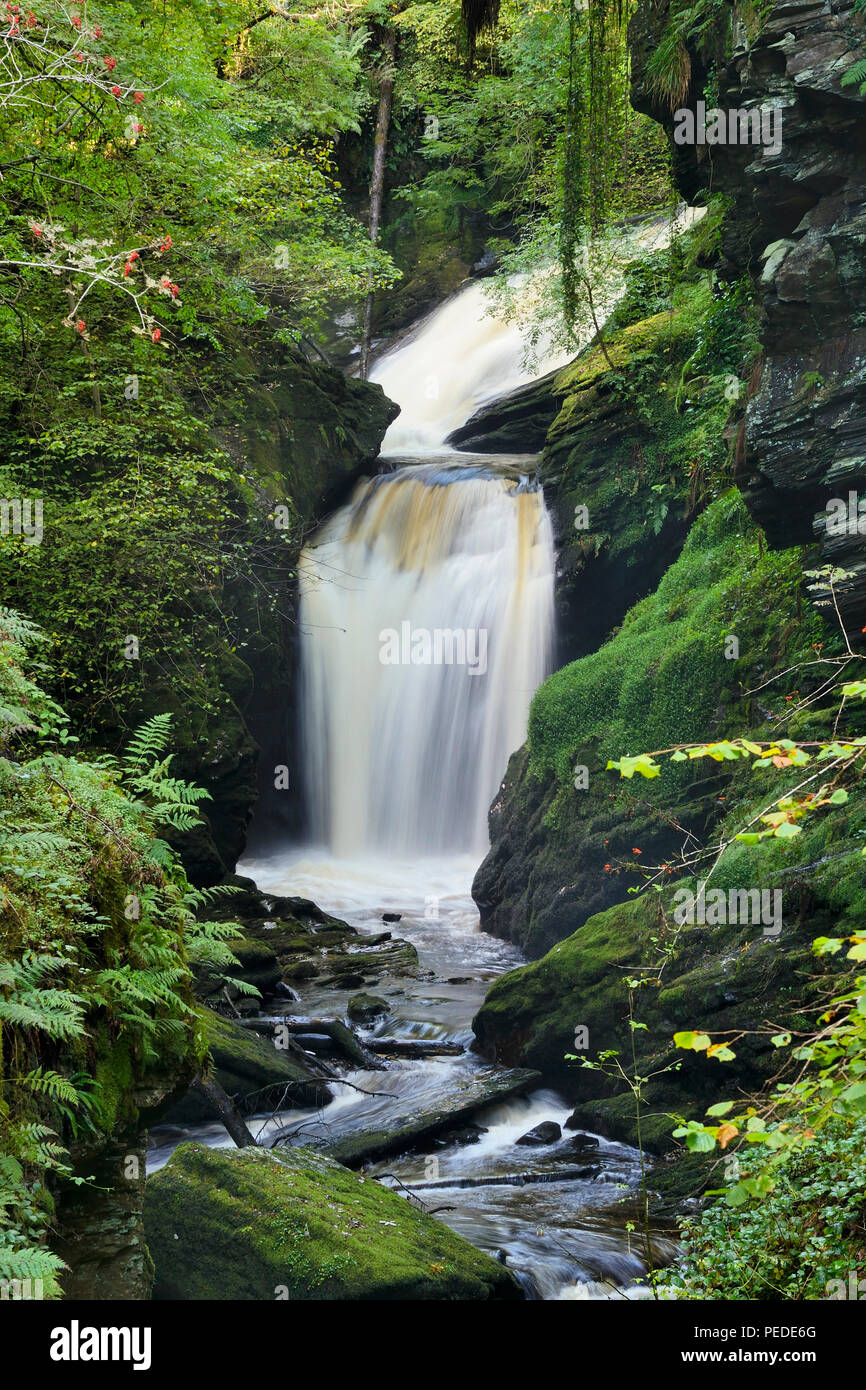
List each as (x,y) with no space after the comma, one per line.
(426,620)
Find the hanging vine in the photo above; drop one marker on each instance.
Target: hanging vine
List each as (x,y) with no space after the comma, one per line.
(596,146)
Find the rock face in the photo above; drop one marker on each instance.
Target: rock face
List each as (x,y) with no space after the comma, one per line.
(512,424)
(566,857)
(568,837)
(308,433)
(565,849)
(255,1224)
(797,226)
(251,1070)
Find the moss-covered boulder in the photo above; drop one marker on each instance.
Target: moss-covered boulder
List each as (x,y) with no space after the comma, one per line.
(363,1008)
(565,843)
(252,1071)
(738,980)
(258,1224)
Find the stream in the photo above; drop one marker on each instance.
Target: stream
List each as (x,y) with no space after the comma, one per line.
(426,622)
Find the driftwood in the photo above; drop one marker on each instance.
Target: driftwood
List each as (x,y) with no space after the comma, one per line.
(225,1107)
(510,1179)
(412,1047)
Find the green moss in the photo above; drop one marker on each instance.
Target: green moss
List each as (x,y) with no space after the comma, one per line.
(258,1224)
(251,1070)
(114,1083)
(664,677)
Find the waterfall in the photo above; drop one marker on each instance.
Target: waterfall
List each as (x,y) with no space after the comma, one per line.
(426,616)
(462,357)
(426,612)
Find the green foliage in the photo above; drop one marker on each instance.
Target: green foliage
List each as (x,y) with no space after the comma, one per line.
(805,1234)
(700,25)
(97,926)
(665,671)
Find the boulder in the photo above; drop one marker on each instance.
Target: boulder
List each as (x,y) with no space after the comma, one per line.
(363,1008)
(252,1071)
(276,1226)
(546,1133)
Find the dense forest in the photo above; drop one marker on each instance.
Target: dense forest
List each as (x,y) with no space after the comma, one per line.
(432,598)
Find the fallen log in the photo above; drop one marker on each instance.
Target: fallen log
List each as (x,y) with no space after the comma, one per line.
(225,1108)
(509,1179)
(344,1039)
(412,1047)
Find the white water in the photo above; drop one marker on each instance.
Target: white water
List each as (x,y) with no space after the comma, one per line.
(405,758)
(401,763)
(461,358)
(464,356)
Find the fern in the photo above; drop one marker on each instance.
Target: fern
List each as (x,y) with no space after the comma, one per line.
(856,74)
(148,741)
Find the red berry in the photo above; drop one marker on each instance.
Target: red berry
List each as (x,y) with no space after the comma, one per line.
(138,96)
(156,335)
(81,325)
(116,91)
(110,63)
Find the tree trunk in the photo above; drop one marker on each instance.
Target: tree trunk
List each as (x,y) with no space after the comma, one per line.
(226,1109)
(377,179)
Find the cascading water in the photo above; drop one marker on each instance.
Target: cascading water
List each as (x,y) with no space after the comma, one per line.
(462,357)
(426,610)
(425,626)
(426,619)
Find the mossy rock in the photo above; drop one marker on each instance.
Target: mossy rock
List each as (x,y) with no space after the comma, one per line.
(256,965)
(363,1008)
(262,1224)
(252,1071)
(727,980)
(560,854)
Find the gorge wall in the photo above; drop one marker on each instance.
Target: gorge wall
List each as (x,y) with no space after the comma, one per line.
(565,857)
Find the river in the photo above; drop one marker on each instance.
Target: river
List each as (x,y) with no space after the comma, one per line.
(426,624)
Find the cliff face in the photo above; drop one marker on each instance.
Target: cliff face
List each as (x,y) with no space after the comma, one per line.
(797,226)
(564,856)
(794,224)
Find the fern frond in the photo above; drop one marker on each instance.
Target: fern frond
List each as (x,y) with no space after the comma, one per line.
(149,740)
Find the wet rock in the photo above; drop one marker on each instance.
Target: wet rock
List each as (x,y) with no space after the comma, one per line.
(581,1143)
(406,1131)
(363,1008)
(251,1070)
(513,424)
(350,981)
(586,1141)
(465,1134)
(257,1224)
(284,991)
(391,916)
(546,1133)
